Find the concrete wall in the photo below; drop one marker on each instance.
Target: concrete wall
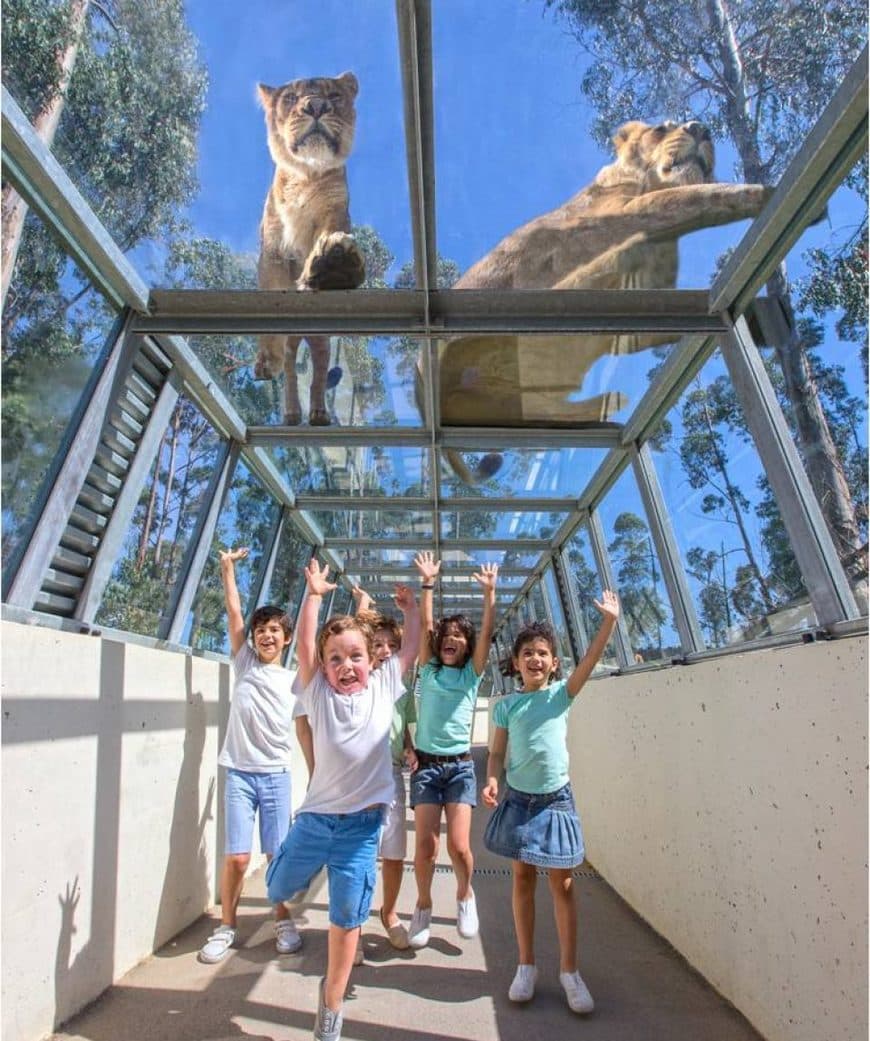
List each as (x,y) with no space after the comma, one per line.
(726,802)
(110,794)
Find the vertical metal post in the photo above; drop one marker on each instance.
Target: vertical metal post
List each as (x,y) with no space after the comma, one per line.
(266,570)
(174,619)
(685,619)
(624,651)
(825,580)
(570,608)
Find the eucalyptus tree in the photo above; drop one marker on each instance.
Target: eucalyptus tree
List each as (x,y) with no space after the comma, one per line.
(758,73)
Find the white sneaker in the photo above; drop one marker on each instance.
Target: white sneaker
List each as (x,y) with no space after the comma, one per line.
(576,991)
(328,1025)
(467,924)
(217,944)
(359,954)
(287,938)
(523,986)
(418,933)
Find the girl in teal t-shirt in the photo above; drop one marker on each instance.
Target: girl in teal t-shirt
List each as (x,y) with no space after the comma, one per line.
(452,660)
(536,824)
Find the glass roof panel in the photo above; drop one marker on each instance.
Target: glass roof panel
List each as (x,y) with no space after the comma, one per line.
(528,472)
(353,470)
(374,524)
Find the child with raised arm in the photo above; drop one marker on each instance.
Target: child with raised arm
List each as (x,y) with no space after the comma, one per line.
(536,824)
(387,635)
(452,661)
(256,755)
(350,710)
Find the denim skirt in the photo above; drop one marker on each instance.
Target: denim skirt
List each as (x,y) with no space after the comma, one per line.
(543,829)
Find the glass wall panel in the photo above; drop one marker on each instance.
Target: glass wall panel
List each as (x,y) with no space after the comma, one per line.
(638,575)
(557,617)
(582,573)
(145,573)
(246,519)
(742,573)
(55,327)
(288,578)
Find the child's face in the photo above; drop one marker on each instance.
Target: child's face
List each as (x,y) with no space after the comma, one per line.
(535,663)
(454,646)
(269,641)
(346,662)
(385,645)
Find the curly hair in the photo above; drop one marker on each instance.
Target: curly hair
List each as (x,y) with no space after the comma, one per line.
(530,632)
(265,614)
(436,637)
(342,623)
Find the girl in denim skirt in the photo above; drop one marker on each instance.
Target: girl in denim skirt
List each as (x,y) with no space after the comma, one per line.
(452,660)
(536,824)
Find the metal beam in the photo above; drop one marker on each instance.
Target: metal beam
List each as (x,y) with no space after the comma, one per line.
(443,312)
(621,637)
(830,150)
(415,544)
(384,503)
(39,178)
(472,439)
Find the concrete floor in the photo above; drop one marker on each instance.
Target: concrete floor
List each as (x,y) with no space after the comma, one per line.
(453,989)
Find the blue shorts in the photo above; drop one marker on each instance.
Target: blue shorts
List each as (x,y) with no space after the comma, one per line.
(244,794)
(347,845)
(441,783)
(543,830)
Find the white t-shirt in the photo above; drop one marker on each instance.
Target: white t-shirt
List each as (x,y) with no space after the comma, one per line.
(353,768)
(260,728)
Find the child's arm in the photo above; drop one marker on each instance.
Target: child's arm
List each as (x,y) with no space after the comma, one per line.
(495,765)
(487,577)
(306,742)
(428,567)
(361,599)
(407,604)
(235,618)
(318,584)
(609,609)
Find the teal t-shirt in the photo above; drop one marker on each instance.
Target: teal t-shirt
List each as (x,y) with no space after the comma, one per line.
(445,708)
(403,714)
(537,726)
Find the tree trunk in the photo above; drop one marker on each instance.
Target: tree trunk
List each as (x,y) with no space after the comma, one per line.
(170,480)
(14,208)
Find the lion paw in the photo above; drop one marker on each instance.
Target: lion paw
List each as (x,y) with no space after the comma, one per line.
(292,418)
(263,368)
(319,417)
(336,262)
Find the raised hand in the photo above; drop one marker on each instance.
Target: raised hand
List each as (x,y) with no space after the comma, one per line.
(404,597)
(487,576)
(317,578)
(608,605)
(427,565)
(230,556)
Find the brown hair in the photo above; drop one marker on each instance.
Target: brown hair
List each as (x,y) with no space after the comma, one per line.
(265,614)
(342,623)
(436,637)
(529,633)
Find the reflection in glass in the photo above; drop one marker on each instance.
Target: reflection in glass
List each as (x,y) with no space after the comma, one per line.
(162,525)
(586,585)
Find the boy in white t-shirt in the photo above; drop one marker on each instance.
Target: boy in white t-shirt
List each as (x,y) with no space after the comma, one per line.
(256,756)
(350,710)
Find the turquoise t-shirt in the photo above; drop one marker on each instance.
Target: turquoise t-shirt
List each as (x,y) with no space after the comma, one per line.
(537,726)
(445,708)
(403,714)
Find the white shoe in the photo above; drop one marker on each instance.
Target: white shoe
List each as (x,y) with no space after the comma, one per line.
(467,924)
(523,986)
(287,938)
(359,954)
(418,933)
(217,944)
(577,993)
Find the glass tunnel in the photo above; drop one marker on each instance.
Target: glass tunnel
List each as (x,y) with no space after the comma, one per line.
(608,330)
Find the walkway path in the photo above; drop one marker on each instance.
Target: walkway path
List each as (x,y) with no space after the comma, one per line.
(454,990)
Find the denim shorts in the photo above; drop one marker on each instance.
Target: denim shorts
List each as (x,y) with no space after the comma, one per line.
(543,830)
(438,784)
(347,845)
(246,793)
(394,837)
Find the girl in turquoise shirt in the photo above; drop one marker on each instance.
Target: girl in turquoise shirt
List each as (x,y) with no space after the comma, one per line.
(536,824)
(452,660)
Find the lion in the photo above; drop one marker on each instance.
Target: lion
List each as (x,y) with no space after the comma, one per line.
(620,232)
(305,240)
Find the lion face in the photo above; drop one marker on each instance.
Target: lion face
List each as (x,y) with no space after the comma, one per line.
(664,156)
(311,121)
